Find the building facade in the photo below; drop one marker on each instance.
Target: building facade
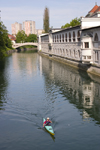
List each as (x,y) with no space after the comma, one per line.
(39,31)
(79,44)
(29,27)
(91,45)
(16,27)
(63,43)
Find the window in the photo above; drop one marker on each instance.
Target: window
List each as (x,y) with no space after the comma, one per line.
(74,53)
(87,99)
(96,56)
(88,57)
(63,37)
(60,51)
(57,38)
(73,36)
(78,53)
(70,52)
(78,36)
(96,37)
(84,57)
(63,52)
(86,44)
(53,39)
(66,37)
(89,88)
(60,38)
(69,37)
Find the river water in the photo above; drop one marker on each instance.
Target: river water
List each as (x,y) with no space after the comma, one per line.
(33,87)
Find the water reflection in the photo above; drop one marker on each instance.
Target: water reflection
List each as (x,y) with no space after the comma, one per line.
(24,62)
(3,83)
(52,136)
(80,88)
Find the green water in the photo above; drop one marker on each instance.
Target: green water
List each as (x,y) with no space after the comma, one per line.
(33,87)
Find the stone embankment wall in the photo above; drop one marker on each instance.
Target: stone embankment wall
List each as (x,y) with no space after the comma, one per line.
(11,51)
(76,64)
(20,50)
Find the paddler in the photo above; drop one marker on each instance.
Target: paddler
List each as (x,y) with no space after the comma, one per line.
(47,122)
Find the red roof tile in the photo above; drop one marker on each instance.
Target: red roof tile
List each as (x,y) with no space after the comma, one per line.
(93,9)
(98,9)
(11,37)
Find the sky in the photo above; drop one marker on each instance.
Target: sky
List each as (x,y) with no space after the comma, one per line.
(60,11)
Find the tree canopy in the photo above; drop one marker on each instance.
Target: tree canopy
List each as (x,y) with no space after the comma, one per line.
(21,37)
(5,42)
(46,20)
(32,38)
(74,22)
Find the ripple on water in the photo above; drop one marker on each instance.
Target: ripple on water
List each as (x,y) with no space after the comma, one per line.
(35,88)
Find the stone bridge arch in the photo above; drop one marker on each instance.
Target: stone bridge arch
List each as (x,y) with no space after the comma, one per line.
(17,45)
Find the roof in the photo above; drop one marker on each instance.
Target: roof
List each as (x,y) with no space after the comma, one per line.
(12,37)
(98,9)
(44,34)
(69,28)
(91,28)
(94,9)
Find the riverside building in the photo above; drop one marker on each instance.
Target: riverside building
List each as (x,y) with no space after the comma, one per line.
(79,45)
(29,27)
(16,27)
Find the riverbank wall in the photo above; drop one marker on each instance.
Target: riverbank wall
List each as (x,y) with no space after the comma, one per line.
(11,51)
(89,68)
(20,50)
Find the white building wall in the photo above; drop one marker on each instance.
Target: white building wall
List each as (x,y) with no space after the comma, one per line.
(57,44)
(94,46)
(98,15)
(89,22)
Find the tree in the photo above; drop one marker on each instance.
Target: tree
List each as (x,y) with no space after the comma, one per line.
(2,42)
(74,22)
(32,38)
(46,20)
(21,37)
(5,42)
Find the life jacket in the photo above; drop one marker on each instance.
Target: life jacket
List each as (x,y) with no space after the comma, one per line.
(47,123)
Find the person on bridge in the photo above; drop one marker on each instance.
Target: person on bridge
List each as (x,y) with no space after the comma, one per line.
(47,122)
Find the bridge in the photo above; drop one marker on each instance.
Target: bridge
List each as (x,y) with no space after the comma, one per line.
(16,45)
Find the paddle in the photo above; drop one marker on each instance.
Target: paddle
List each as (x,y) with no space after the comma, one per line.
(47,124)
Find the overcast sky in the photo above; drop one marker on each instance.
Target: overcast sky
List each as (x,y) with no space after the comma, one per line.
(60,11)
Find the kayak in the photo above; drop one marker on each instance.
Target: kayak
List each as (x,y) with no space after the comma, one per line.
(49,128)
